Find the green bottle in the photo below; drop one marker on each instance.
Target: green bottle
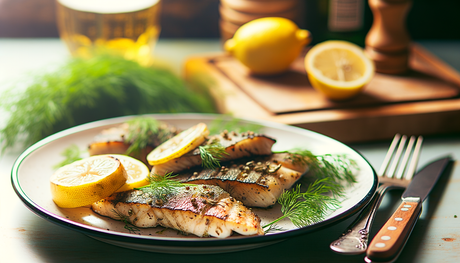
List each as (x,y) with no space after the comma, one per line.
(338,20)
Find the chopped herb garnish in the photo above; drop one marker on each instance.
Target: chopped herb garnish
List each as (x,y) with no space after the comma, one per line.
(125,219)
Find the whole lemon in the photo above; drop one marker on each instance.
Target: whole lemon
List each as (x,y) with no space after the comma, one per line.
(268,45)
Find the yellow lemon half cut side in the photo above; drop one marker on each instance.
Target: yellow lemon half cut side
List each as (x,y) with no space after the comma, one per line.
(86,181)
(179,145)
(338,69)
(138,172)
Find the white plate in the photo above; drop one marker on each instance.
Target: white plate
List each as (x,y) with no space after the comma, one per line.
(32,170)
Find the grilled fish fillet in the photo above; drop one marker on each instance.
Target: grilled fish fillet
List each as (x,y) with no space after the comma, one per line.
(202,210)
(257,182)
(112,141)
(237,145)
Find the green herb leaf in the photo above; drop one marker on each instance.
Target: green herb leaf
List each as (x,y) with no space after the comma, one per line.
(143,131)
(125,219)
(139,132)
(331,172)
(71,154)
(211,154)
(339,167)
(162,186)
(85,90)
(306,208)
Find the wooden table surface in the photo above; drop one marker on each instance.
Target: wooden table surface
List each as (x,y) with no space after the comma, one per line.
(25,237)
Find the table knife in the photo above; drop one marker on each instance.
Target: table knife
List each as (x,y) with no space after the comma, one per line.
(390,240)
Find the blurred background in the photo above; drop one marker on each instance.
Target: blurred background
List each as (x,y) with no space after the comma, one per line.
(427,19)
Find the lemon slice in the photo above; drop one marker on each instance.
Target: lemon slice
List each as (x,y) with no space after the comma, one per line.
(338,69)
(137,171)
(179,145)
(86,181)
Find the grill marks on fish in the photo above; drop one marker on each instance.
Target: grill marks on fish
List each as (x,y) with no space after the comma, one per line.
(237,145)
(250,173)
(257,182)
(202,210)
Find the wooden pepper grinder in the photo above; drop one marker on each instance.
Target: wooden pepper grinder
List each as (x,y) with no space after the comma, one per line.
(387,42)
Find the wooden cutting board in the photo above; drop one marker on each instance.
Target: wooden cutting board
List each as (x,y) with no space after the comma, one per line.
(424,101)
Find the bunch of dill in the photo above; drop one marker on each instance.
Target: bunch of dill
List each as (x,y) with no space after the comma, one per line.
(85,90)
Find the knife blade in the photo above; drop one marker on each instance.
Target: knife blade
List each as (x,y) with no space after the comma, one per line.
(390,240)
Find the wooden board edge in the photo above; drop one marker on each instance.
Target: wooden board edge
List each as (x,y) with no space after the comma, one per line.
(346,125)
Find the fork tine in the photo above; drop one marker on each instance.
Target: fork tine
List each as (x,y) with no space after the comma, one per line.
(405,160)
(360,228)
(390,152)
(415,157)
(397,157)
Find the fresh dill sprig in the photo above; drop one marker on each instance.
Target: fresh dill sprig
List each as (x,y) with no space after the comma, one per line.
(306,208)
(273,228)
(211,154)
(140,130)
(71,154)
(125,219)
(229,123)
(339,167)
(144,130)
(85,90)
(162,186)
(331,172)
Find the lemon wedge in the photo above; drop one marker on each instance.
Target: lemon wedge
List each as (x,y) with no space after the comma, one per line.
(179,145)
(137,171)
(268,45)
(86,181)
(338,69)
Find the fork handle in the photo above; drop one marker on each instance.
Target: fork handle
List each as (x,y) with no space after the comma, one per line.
(354,240)
(390,240)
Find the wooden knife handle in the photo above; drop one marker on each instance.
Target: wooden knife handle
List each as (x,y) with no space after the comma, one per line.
(390,240)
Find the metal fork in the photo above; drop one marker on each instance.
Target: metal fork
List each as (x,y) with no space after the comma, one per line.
(354,240)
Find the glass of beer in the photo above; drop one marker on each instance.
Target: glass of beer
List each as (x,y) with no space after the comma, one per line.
(129,28)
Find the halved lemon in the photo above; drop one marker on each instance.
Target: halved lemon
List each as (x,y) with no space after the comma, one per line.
(179,145)
(137,171)
(86,181)
(338,69)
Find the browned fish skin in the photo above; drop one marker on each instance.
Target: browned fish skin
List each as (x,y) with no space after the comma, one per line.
(112,141)
(288,161)
(202,210)
(257,182)
(237,145)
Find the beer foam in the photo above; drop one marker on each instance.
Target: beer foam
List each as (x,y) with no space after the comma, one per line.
(108,6)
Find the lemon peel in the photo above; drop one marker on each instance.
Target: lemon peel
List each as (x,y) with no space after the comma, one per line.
(179,145)
(338,69)
(137,171)
(268,45)
(86,181)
